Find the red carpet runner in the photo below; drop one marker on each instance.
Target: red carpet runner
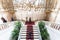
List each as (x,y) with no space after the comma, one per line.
(29,33)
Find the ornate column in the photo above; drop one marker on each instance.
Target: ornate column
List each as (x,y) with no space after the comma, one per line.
(50,5)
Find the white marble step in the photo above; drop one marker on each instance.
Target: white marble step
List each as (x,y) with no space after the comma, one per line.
(35,37)
(33,34)
(26,29)
(25,33)
(25,39)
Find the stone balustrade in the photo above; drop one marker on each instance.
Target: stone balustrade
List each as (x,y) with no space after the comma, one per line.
(3,26)
(55,26)
(6,25)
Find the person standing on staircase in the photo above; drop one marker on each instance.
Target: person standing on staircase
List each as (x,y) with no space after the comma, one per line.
(30,19)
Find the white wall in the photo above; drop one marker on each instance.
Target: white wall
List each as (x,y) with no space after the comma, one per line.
(58,17)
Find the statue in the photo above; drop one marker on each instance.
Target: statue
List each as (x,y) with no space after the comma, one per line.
(3,20)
